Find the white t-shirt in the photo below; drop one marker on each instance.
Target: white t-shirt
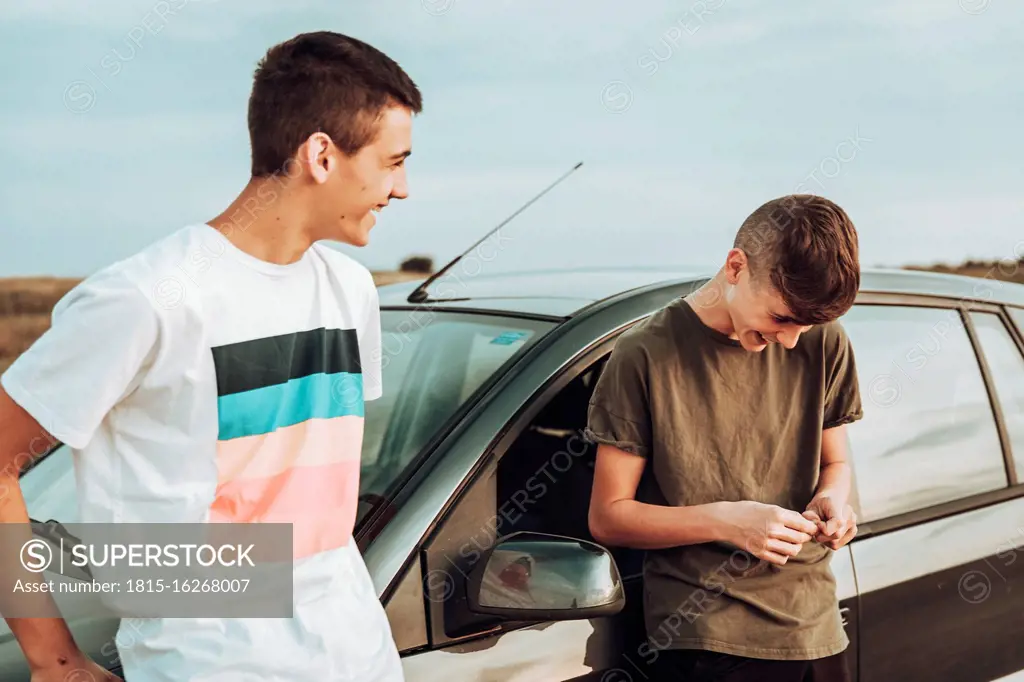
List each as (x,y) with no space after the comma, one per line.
(196,383)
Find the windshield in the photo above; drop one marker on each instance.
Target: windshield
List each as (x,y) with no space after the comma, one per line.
(432,363)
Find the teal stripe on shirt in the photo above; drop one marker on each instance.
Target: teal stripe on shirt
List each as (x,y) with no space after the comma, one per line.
(262,410)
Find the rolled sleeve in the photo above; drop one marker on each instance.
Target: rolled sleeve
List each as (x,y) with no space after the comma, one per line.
(619,410)
(842,389)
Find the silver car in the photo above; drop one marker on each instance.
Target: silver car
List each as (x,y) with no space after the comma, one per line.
(476,483)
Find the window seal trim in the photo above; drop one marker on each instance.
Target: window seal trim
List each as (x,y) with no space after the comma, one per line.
(924,301)
(1016,331)
(937,512)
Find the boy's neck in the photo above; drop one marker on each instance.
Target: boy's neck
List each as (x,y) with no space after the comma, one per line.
(267,221)
(712,307)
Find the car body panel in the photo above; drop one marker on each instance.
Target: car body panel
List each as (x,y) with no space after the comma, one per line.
(944,599)
(547,651)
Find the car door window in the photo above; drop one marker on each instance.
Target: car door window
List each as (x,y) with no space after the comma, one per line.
(928,435)
(1006,365)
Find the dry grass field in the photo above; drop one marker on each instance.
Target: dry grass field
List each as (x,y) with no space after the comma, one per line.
(26,302)
(1007,271)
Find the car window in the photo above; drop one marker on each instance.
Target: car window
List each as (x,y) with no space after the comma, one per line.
(928,435)
(432,362)
(1006,365)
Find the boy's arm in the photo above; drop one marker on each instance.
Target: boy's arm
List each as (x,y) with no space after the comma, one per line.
(103,336)
(617,518)
(836,474)
(619,420)
(830,507)
(46,641)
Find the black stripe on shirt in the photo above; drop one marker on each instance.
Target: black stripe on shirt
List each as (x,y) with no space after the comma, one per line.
(257,363)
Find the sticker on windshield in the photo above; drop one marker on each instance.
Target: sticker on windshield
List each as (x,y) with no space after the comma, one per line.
(508,338)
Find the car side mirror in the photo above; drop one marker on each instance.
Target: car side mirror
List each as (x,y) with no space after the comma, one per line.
(536,576)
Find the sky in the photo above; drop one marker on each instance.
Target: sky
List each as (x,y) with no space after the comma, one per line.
(122,122)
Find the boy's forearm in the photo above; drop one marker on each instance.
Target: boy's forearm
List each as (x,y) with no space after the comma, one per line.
(834,482)
(46,639)
(46,642)
(629,523)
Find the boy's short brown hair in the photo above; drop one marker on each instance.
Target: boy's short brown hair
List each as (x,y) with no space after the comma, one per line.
(806,247)
(321,82)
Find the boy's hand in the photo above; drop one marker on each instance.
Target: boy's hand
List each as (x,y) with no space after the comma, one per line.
(767,531)
(837,523)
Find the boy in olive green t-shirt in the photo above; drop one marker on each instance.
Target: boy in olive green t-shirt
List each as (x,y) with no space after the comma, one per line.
(734,400)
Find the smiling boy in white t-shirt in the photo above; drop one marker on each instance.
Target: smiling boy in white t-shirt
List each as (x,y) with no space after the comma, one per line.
(220,374)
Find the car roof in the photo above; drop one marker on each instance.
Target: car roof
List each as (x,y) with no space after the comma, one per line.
(563,292)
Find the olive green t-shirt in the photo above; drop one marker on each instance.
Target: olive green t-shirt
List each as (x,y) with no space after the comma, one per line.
(720,423)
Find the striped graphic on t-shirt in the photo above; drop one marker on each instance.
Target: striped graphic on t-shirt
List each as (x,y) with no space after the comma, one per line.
(290,411)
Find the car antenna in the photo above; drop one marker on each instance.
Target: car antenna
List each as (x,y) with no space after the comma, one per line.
(420,295)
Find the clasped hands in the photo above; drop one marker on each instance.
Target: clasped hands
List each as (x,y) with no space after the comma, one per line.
(775,534)
(837,524)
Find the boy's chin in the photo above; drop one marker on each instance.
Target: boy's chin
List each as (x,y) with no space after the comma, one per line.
(753,342)
(355,239)
(361,236)
(354,234)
